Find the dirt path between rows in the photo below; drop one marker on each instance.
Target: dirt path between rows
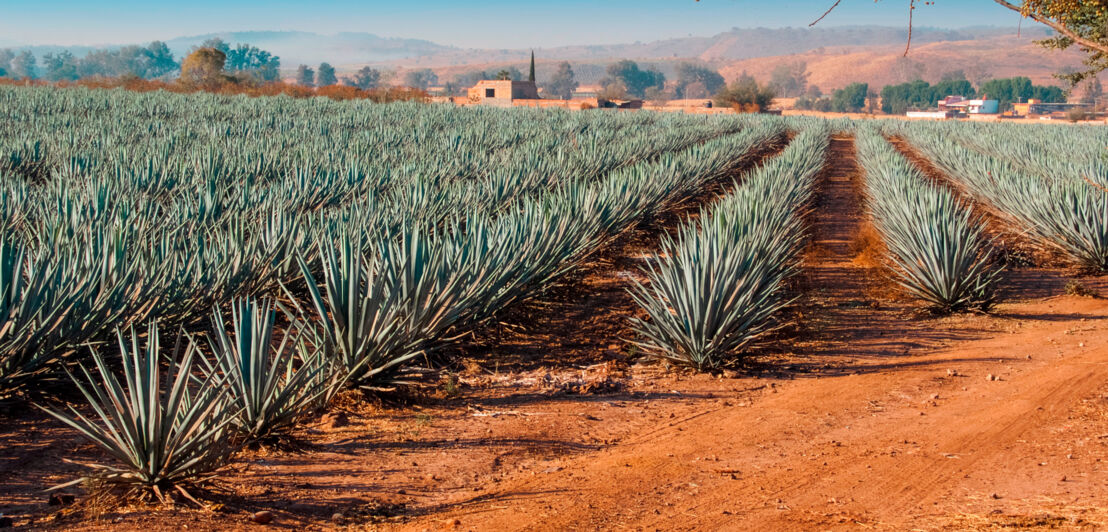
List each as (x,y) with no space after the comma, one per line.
(866,415)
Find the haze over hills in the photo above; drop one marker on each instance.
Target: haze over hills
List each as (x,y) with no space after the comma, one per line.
(835,55)
(295,47)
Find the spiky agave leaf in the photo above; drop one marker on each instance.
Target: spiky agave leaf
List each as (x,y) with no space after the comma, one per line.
(270,384)
(162,431)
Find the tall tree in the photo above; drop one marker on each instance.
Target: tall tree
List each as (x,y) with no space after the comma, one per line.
(696,81)
(850,99)
(562,84)
(365,78)
(1018,89)
(531,75)
(6,56)
(1094,91)
(253,62)
(634,79)
(790,80)
(204,66)
(325,75)
(23,66)
(157,60)
(305,76)
(420,79)
(746,95)
(61,66)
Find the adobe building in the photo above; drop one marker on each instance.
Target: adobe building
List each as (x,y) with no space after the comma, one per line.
(502,93)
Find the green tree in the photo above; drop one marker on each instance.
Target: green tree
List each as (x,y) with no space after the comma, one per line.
(156,60)
(850,99)
(325,75)
(531,75)
(919,95)
(633,79)
(562,84)
(420,79)
(696,81)
(746,95)
(1019,89)
(6,56)
(305,76)
(61,66)
(23,65)
(149,62)
(365,78)
(790,80)
(252,62)
(504,75)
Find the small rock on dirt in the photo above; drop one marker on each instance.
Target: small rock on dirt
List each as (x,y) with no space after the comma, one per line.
(450,524)
(991,377)
(263,517)
(338,518)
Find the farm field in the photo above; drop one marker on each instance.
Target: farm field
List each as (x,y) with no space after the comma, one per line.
(415,317)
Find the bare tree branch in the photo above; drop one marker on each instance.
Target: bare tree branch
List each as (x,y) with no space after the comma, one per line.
(911,14)
(824,15)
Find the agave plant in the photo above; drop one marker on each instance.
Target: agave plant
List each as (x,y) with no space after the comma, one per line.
(936,243)
(709,296)
(271,385)
(715,289)
(360,321)
(1059,201)
(31,311)
(164,429)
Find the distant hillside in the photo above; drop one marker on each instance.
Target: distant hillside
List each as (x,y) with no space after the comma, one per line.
(998,56)
(737,44)
(295,47)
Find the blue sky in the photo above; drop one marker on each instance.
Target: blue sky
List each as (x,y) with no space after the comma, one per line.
(495,24)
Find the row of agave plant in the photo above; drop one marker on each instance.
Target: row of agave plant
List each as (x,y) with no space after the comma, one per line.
(364,297)
(717,287)
(1061,206)
(138,211)
(935,243)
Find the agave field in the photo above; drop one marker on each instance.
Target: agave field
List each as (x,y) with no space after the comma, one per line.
(187,278)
